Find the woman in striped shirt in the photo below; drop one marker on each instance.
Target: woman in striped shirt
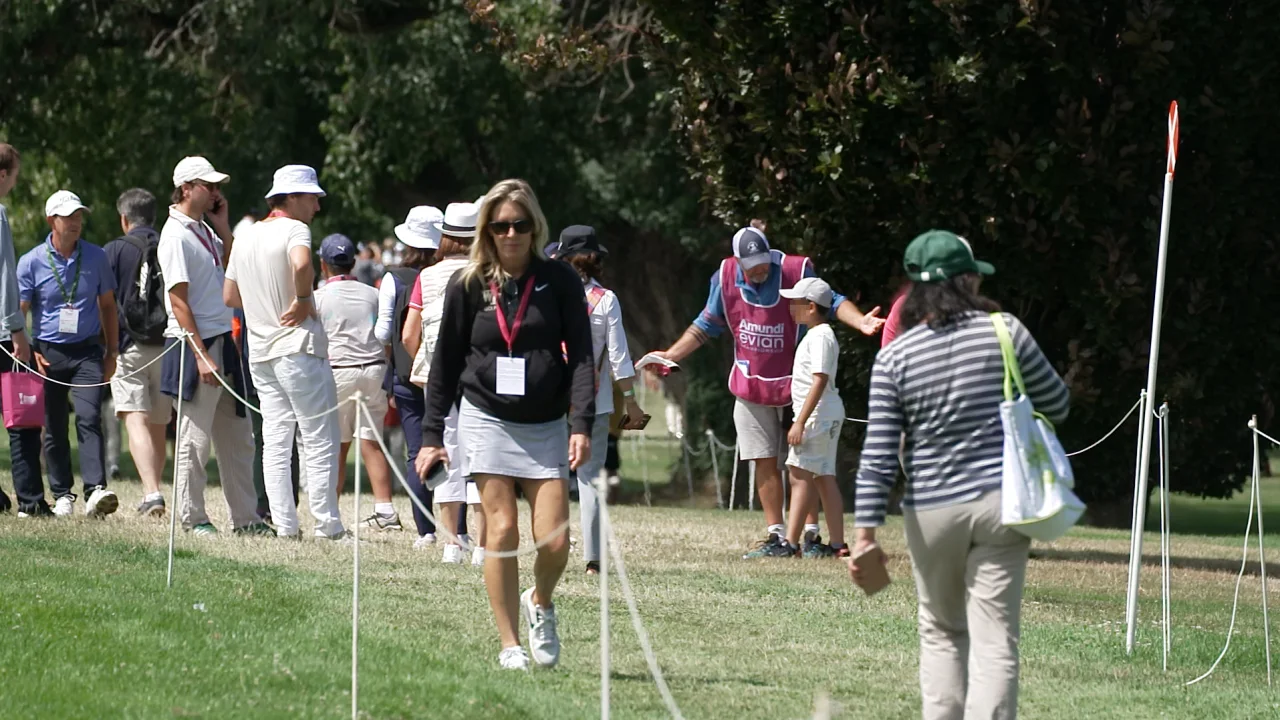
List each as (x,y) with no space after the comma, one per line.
(941,383)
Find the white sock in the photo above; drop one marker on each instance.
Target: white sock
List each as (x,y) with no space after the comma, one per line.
(811,528)
(153,496)
(384,508)
(778,530)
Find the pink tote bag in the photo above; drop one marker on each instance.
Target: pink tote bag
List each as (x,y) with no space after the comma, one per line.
(23,396)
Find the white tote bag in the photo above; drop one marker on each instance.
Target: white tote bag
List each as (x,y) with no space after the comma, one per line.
(1036,489)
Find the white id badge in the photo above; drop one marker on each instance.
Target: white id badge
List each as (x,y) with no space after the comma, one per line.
(68,320)
(510,376)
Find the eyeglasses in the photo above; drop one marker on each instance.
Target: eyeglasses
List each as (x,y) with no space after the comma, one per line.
(500,228)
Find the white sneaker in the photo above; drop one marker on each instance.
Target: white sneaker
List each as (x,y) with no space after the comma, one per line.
(477,557)
(452,554)
(544,640)
(101,503)
(614,481)
(424,542)
(64,506)
(514,658)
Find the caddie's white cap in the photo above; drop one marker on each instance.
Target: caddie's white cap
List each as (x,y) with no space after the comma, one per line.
(63,203)
(292,179)
(815,290)
(190,169)
(421,229)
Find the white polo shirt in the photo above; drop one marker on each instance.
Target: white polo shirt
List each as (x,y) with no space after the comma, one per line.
(349,310)
(191,252)
(261,268)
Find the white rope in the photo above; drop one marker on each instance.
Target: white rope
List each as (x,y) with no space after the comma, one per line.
(1262,558)
(1244,561)
(858,420)
(733,479)
(105,383)
(355,574)
(643,637)
(1259,432)
(200,351)
(715,467)
(1113,430)
(440,528)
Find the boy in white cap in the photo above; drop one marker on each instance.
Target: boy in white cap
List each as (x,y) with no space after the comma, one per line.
(349,309)
(271,276)
(819,415)
(69,287)
(195,243)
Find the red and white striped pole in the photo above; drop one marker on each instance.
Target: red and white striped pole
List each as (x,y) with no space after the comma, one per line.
(1144,446)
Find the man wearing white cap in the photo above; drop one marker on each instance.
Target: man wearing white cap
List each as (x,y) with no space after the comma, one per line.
(271,276)
(195,243)
(69,287)
(744,298)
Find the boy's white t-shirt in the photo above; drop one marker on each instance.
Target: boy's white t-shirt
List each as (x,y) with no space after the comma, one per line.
(818,352)
(261,269)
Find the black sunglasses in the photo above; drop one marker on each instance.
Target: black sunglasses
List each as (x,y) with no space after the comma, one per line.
(501,227)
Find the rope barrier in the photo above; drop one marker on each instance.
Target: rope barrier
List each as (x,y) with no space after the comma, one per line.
(440,528)
(641,635)
(1113,431)
(105,383)
(221,381)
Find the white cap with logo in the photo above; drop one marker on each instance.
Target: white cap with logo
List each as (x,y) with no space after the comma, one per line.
(292,179)
(190,169)
(815,290)
(63,203)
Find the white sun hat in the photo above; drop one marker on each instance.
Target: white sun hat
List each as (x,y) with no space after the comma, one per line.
(460,220)
(292,179)
(421,228)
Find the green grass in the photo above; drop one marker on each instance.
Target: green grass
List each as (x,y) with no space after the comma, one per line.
(91,630)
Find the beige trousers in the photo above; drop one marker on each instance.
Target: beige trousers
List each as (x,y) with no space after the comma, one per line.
(969,572)
(209,421)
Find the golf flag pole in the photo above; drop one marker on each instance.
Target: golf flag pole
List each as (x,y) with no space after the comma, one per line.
(1144,447)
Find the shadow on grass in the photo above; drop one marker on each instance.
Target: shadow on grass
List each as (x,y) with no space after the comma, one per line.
(1178,563)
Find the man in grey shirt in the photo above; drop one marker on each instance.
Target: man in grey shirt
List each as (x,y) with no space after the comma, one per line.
(24,444)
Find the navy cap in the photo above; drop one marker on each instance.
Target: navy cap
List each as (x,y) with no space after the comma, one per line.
(578,240)
(337,249)
(751,248)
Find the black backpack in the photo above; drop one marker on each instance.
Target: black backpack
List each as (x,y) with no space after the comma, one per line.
(402,362)
(144,314)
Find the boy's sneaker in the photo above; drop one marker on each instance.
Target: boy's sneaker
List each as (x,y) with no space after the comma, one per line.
(819,550)
(477,557)
(204,530)
(152,508)
(514,658)
(378,521)
(258,529)
(452,554)
(424,542)
(64,506)
(101,503)
(771,546)
(544,640)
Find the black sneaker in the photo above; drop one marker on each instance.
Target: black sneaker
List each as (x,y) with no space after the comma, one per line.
(593,567)
(772,546)
(41,510)
(152,508)
(5,503)
(813,547)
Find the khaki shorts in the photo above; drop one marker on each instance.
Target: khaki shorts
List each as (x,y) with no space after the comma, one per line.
(760,429)
(140,391)
(817,454)
(367,380)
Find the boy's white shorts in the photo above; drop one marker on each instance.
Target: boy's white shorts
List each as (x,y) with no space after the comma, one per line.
(817,454)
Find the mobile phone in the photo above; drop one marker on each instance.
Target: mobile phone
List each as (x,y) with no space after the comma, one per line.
(436,475)
(873,576)
(626,422)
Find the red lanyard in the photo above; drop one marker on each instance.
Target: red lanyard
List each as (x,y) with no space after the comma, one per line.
(198,229)
(509,333)
(277,213)
(340,278)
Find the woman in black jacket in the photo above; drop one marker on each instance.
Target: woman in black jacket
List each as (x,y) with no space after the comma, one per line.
(507,316)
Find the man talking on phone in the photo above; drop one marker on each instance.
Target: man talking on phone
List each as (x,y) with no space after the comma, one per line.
(195,244)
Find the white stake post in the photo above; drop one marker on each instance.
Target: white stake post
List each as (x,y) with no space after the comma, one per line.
(1262,558)
(602,489)
(1144,448)
(355,573)
(173,508)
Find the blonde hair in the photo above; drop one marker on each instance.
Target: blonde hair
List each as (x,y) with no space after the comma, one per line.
(484,265)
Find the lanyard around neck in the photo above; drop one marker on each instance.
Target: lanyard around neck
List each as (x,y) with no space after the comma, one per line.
(68,298)
(509,332)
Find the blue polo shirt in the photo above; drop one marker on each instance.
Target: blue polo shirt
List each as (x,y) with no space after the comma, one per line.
(38,286)
(712,319)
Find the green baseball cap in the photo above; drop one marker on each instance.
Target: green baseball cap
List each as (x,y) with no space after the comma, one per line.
(938,255)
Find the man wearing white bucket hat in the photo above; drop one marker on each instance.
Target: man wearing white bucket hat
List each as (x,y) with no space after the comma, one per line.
(271,276)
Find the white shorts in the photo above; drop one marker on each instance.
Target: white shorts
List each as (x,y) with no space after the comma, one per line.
(367,380)
(140,391)
(760,429)
(817,454)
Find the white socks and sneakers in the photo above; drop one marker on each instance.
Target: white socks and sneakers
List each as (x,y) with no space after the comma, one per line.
(101,502)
